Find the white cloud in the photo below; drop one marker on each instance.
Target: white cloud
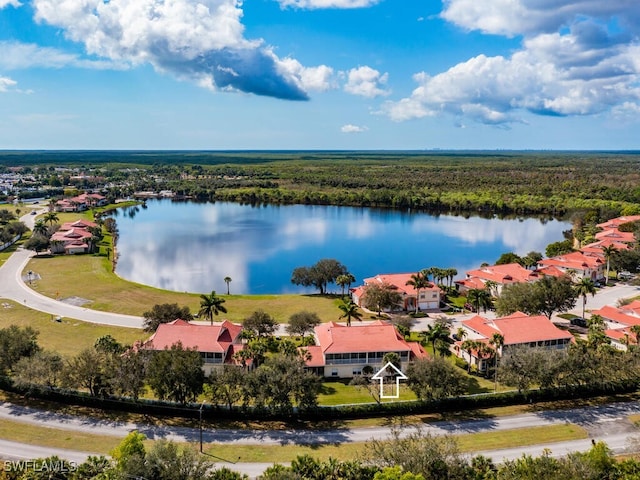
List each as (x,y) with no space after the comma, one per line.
(585,67)
(15,55)
(6,3)
(315,4)
(530,17)
(367,82)
(6,84)
(317,79)
(199,41)
(349,128)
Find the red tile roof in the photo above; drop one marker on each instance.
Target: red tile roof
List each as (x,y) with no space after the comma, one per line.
(317,359)
(627,315)
(616,222)
(617,235)
(502,274)
(518,328)
(204,337)
(399,280)
(377,336)
(573,260)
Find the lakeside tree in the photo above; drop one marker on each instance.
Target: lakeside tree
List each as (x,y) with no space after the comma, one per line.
(381,296)
(211,305)
(301,323)
(509,257)
(556,249)
(320,275)
(164,313)
(345,281)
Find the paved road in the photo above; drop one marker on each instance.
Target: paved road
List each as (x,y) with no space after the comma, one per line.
(608,423)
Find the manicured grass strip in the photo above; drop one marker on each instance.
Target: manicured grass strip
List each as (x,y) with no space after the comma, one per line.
(67,337)
(520,437)
(635,419)
(52,437)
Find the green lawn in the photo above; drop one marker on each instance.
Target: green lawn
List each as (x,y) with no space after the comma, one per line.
(67,337)
(338,393)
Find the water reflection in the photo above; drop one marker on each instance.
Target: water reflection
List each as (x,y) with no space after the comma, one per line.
(193,246)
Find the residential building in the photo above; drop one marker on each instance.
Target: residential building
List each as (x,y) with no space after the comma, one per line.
(72,238)
(342,352)
(80,202)
(216,342)
(619,322)
(577,265)
(517,330)
(429,298)
(498,275)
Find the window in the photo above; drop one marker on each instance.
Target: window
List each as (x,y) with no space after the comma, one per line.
(357,371)
(334,372)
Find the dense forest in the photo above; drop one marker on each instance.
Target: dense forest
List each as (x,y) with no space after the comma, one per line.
(552,183)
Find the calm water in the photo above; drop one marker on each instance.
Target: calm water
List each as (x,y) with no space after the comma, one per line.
(192,247)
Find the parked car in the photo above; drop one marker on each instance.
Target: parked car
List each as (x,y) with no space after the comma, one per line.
(579,322)
(34,212)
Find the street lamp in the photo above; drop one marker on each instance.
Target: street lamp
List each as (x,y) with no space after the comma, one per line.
(29,276)
(201,406)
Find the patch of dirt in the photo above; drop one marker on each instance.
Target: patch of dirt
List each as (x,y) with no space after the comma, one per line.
(77,301)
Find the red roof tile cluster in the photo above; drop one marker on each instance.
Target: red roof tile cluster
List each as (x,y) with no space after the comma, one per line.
(204,337)
(574,260)
(517,328)
(627,315)
(399,281)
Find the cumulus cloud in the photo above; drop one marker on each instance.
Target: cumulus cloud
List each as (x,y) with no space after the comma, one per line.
(349,128)
(6,3)
(317,79)
(315,4)
(6,84)
(366,82)
(572,61)
(199,41)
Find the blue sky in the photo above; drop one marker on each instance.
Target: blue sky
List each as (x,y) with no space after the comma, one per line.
(319,74)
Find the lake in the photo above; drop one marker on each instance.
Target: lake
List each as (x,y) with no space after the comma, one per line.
(192,247)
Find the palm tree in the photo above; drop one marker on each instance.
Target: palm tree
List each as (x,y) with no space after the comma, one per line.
(635,329)
(418,282)
(40,229)
(492,287)
(461,333)
(50,218)
(227,280)
(584,288)
(345,280)
(211,305)
(608,252)
(435,334)
(451,273)
(468,346)
(479,297)
(349,311)
(497,340)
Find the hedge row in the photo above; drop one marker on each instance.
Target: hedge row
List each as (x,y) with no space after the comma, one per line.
(343,412)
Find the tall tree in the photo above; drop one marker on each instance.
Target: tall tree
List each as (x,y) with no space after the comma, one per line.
(380,296)
(479,298)
(345,280)
(301,323)
(349,311)
(497,341)
(211,305)
(439,336)
(176,374)
(583,288)
(227,280)
(608,251)
(260,323)
(418,282)
(325,271)
(164,313)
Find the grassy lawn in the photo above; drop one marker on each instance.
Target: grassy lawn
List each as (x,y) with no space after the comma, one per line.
(338,393)
(90,277)
(67,337)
